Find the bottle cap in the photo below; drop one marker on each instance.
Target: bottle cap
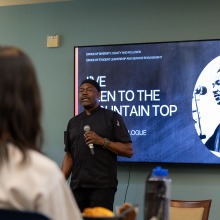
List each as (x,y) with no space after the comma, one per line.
(158,171)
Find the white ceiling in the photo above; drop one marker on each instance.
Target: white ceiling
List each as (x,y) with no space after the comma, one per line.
(24,2)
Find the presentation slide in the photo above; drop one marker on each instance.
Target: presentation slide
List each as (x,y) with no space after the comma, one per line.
(168,94)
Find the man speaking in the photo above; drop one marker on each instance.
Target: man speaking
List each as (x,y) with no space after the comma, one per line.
(93,140)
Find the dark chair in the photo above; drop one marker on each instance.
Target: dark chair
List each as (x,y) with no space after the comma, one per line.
(191,210)
(8,214)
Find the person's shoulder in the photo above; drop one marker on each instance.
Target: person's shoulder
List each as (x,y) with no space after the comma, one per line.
(75,118)
(45,171)
(33,157)
(218,127)
(108,111)
(111,112)
(43,162)
(37,166)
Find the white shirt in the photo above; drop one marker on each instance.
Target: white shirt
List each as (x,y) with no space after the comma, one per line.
(37,185)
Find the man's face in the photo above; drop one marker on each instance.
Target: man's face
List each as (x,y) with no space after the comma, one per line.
(89,96)
(216,87)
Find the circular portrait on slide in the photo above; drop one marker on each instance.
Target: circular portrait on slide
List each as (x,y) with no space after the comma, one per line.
(206,106)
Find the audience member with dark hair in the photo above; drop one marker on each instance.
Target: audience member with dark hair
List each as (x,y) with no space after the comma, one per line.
(28,179)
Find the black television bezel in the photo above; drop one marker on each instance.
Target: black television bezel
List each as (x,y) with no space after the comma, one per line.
(154,163)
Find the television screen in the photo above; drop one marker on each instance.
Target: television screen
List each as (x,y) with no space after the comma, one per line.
(168,94)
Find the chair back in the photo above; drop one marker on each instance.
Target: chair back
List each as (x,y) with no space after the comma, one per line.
(8,214)
(190,210)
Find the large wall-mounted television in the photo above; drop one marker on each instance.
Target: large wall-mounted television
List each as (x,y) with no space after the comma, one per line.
(167,92)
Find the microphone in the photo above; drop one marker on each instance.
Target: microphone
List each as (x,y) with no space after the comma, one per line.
(91,146)
(201,90)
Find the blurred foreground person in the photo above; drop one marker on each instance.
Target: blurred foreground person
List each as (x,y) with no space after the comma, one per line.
(28,179)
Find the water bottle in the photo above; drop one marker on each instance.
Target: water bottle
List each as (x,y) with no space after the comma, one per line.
(157,195)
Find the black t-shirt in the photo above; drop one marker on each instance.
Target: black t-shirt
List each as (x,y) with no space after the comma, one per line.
(99,170)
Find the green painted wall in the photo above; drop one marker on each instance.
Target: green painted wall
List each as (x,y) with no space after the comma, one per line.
(92,22)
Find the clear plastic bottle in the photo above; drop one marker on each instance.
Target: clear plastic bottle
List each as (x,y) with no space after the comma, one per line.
(157,195)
